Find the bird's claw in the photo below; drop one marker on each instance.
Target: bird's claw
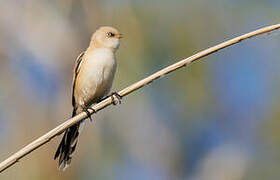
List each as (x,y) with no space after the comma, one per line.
(85,109)
(116,98)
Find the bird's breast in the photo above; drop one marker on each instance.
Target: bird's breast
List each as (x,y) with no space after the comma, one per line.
(98,73)
(101,65)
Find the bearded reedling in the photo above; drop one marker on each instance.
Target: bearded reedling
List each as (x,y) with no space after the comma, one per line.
(92,80)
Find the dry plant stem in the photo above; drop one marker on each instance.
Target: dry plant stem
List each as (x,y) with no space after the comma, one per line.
(59,129)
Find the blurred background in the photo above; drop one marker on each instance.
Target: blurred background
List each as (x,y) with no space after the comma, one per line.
(217,119)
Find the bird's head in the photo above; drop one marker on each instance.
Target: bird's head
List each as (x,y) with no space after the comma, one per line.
(106,37)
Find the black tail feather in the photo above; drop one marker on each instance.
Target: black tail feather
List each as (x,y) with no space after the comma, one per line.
(67,145)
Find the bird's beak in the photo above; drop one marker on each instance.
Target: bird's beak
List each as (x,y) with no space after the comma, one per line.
(119,36)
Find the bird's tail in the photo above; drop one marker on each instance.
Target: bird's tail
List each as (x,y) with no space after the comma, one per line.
(68,144)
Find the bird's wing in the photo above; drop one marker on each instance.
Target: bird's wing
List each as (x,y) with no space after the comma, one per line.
(75,74)
(69,141)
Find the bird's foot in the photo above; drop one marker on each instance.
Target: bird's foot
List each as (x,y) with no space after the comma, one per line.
(116,98)
(85,109)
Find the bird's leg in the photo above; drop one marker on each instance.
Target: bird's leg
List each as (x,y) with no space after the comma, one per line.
(118,97)
(85,109)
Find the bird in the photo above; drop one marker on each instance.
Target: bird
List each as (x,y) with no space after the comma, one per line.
(93,76)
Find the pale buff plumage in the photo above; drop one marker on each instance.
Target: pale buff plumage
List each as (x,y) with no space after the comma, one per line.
(92,80)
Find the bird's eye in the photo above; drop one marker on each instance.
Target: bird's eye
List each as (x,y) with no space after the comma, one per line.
(109,34)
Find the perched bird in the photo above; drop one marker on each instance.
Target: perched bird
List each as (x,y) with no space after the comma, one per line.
(92,80)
